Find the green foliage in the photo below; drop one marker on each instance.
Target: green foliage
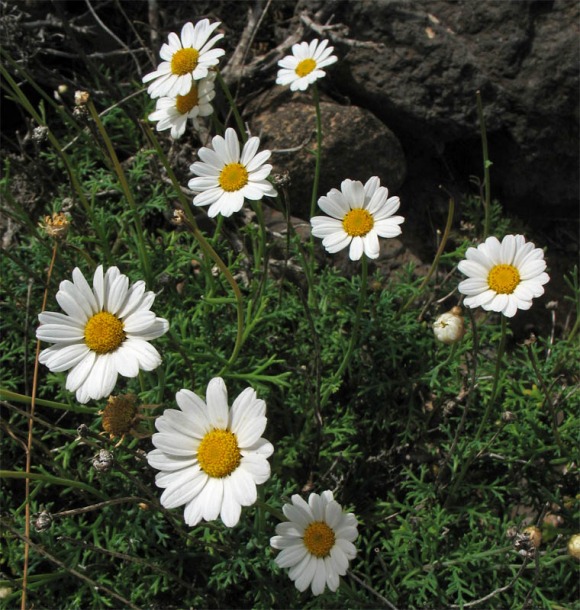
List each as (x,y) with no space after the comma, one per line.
(399,439)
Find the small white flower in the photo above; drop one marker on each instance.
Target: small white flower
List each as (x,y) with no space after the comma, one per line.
(211,457)
(449,327)
(105,332)
(359,216)
(227,177)
(173,112)
(304,66)
(316,542)
(503,277)
(185,59)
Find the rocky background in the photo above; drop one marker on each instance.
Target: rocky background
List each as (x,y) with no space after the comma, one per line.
(400,103)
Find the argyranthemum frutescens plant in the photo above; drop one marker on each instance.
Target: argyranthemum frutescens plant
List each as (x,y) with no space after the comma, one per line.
(186,58)
(362,399)
(357,216)
(211,457)
(104,332)
(226,176)
(316,543)
(305,65)
(503,276)
(173,112)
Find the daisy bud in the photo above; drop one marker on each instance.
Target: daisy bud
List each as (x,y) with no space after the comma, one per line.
(574,546)
(449,327)
(81,98)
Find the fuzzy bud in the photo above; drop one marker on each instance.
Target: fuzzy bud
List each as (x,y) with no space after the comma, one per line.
(42,521)
(81,98)
(449,327)
(574,546)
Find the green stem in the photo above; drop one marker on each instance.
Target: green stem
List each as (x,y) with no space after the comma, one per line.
(547,397)
(9,395)
(233,106)
(204,244)
(139,232)
(47,478)
(450,213)
(354,337)
(486,166)
(314,197)
(487,413)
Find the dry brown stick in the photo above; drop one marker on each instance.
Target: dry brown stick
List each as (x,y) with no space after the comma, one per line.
(29,441)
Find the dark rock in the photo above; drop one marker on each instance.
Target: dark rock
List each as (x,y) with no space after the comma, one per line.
(355,145)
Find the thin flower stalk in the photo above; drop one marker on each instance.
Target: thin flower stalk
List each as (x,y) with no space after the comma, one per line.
(205,246)
(490,403)
(435,263)
(139,231)
(354,336)
(486,166)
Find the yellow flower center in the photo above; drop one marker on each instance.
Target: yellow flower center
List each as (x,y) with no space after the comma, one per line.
(305,67)
(184,61)
(503,279)
(218,453)
(358,222)
(184,103)
(233,177)
(319,538)
(104,333)
(119,414)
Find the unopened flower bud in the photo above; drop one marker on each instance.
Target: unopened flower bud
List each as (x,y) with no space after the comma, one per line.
(534,534)
(574,546)
(81,97)
(449,327)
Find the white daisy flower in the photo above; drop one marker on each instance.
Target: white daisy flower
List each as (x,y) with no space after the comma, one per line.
(503,277)
(304,66)
(173,112)
(226,178)
(359,216)
(316,542)
(186,59)
(211,457)
(105,332)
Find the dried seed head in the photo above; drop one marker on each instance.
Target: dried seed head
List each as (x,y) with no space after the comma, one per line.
(103,461)
(119,414)
(42,521)
(57,225)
